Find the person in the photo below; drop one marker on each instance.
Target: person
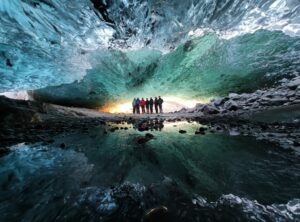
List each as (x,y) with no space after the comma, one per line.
(160,102)
(142,104)
(147,105)
(137,107)
(134,106)
(156,105)
(151,105)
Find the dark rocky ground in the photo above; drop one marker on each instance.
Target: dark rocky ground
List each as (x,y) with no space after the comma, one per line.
(30,122)
(272,115)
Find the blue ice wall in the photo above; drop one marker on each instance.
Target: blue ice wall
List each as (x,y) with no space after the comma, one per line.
(118,48)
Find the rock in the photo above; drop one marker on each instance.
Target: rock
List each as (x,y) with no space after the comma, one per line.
(62,145)
(277,101)
(252,99)
(233,95)
(143,127)
(112,130)
(294,84)
(182,131)
(231,105)
(234,132)
(202,129)
(141,140)
(200,132)
(284,80)
(158,214)
(149,135)
(218,102)
(209,109)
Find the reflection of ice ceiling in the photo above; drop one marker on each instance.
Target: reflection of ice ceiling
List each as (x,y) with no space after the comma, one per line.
(53,42)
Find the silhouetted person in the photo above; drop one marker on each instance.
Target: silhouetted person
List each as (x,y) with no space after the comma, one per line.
(151,102)
(143,104)
(160,102)
(156,105)
(134,106)
(137,107)
(147,105)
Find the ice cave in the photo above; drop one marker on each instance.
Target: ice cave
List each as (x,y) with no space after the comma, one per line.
(81,140)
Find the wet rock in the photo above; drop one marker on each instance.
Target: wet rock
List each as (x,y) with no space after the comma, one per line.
(294,84)
(234,132)
(149,135)
(158,214)
(231,105)
(141,139)
(143,127)
(233,96)
(218,102)
(182,131)
(112,130)
(209,109)
(200,132)
(202,129)
(273,101)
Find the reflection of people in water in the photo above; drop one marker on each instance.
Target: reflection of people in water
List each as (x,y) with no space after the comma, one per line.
(149,125)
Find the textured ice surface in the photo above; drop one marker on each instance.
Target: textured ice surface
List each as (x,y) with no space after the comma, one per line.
(53,42)
(204,67)
(45,42)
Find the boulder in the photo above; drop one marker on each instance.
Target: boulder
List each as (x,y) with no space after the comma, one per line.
(231,105)
(158,214)
(294,83)
(218,102)
(141,140)
(233,96)
(149,135)
(209,109)
(276,101)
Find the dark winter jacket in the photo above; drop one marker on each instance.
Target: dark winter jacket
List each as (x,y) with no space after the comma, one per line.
(147,103)
(151,102)
(138,102)
(160,101)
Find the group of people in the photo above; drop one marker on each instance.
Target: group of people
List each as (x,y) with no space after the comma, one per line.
(146,106)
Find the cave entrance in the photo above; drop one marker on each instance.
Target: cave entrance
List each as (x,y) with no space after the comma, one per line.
(171,104)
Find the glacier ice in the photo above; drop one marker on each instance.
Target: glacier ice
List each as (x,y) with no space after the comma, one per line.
(194,48)
(201,68)
(46,42)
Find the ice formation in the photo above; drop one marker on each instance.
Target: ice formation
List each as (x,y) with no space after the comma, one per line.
(97,51)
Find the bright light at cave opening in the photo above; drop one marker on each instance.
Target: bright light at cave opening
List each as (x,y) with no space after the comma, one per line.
(171,104)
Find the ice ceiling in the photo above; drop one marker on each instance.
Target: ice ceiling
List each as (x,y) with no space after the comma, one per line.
(91,52)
